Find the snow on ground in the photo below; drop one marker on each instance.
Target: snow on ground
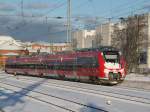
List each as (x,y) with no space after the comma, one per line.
(19,101)
(138,77)
(135,80)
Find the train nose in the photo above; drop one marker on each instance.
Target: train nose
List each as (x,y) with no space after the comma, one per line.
(114,76)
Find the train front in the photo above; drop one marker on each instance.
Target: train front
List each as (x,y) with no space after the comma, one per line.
(114,67)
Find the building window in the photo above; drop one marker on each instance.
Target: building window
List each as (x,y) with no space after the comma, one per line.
(143,58)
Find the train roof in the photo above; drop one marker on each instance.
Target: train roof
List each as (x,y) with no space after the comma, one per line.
(100,48)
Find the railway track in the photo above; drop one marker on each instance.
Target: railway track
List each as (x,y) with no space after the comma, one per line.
(45,100)
(38,99)
(116,86)
(119,86)
(55,81)
(84,90)
(143,85)
(132,88)
(79,89)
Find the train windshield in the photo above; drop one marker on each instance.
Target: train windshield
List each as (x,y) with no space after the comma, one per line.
(111,56)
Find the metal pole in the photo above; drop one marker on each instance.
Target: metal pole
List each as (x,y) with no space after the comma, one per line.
(22,10)
(69,21)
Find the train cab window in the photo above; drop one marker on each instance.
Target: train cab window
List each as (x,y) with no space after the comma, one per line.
(111,56)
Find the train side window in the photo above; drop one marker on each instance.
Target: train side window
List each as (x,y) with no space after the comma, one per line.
(68,65)
(51,67)
(87,62)
(31,66)
(39,66)
(57,65)
(51,64)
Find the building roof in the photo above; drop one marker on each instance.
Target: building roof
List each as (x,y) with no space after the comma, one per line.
(11,54)
(8,43)
(5,38)
(46,44)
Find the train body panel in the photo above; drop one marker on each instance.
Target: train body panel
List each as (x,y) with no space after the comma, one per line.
(92,65)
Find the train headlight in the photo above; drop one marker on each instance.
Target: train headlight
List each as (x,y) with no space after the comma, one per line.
(120,53)
(122,72)
(106,71)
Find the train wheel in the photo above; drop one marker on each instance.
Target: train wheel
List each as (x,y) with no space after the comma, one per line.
(98,82)
(26,73)
(94,79)
(15,73)
(62,77)
(17,76)
(6,71)
(41,75)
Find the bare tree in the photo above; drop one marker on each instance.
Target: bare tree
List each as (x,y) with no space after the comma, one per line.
(129,40)
(119,38)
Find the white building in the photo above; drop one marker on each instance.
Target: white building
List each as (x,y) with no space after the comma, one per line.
(10,47)
(145,51)
(7,42)
(104,32)
(83,38)
(45,47)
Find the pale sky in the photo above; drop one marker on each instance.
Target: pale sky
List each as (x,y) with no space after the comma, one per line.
(85,14)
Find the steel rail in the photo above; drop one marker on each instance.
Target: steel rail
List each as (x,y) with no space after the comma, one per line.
(78,103)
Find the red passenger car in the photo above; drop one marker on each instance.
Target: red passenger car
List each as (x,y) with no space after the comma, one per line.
(103,64)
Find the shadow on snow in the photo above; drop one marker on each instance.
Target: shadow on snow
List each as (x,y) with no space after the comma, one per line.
(10,99)
(94,108)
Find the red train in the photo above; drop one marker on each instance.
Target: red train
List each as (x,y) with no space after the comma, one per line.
(103,64)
